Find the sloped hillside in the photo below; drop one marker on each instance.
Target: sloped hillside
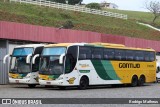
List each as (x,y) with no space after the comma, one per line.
(45,16)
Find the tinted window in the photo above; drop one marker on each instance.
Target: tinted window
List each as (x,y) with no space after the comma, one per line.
(35,67)
(158,53)
(129,55)
(139,55)
(108,54)
(147,56)
(71,59)
(38,50)
(84,53)
(120,55)
(152,56)
(97,53)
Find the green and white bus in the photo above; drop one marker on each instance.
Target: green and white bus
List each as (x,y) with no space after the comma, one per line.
(84,64)
(21,70)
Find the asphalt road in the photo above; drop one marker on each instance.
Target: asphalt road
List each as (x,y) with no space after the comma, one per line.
(22,91)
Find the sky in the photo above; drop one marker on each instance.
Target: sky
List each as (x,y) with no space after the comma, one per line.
(135,5)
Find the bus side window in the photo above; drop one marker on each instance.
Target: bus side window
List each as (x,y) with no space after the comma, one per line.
(84,53)
(82,56)
(71,59)
(120,55)
(97,53)
(152,56)
(139,56)
(129,55)
(108,54)
(147,56)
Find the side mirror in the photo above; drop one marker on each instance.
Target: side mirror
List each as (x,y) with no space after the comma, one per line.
(34,58)
(5,57)
(61,59)
(28,59)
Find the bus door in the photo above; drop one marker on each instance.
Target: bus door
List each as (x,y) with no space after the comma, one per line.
(71,72)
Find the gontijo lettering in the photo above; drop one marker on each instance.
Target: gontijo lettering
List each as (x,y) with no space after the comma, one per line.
(129,65)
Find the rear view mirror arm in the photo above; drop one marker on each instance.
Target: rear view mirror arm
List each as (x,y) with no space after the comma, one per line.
(5,57)
(34,58)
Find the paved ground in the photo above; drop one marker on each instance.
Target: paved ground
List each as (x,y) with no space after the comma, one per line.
(22,91)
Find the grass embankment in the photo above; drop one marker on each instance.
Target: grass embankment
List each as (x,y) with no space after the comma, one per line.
(45,16)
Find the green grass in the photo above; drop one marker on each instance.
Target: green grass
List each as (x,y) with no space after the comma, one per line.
(39,15)
(137,15)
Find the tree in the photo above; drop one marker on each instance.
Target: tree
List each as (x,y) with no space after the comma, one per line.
(93,6)
(154,7)
(73,2)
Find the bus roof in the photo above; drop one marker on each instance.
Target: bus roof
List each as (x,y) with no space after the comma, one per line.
(99,44)
(30,45)
(120,46)
(64,44)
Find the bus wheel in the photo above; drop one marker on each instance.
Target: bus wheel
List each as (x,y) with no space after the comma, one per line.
(31,85)
(141,80)
(84,82)
(62,87)
(156,80)
(134,81)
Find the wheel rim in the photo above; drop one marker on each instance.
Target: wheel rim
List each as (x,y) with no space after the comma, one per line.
(141,81)
(134,81)
(83,83)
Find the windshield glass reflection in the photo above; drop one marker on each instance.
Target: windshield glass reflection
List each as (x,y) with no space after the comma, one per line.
(19,65)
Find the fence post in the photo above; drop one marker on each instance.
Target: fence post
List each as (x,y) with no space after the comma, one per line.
(49,3)
(66,7)
(40,2)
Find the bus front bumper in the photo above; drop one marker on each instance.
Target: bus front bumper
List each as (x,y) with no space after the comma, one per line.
(52,82)
(21,81)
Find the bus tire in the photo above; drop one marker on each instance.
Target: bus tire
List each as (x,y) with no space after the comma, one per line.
(134,81)
(62,87)
(84,82)
(141,80)
(31,85)
(156,80)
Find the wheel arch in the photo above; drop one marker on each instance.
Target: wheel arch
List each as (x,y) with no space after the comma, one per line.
(142,75)
(84,76)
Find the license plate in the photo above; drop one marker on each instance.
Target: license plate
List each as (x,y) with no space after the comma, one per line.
(48,83)
(17,81)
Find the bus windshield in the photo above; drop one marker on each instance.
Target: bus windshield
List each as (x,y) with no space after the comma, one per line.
(50,61)
(19,65)
(18,60)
